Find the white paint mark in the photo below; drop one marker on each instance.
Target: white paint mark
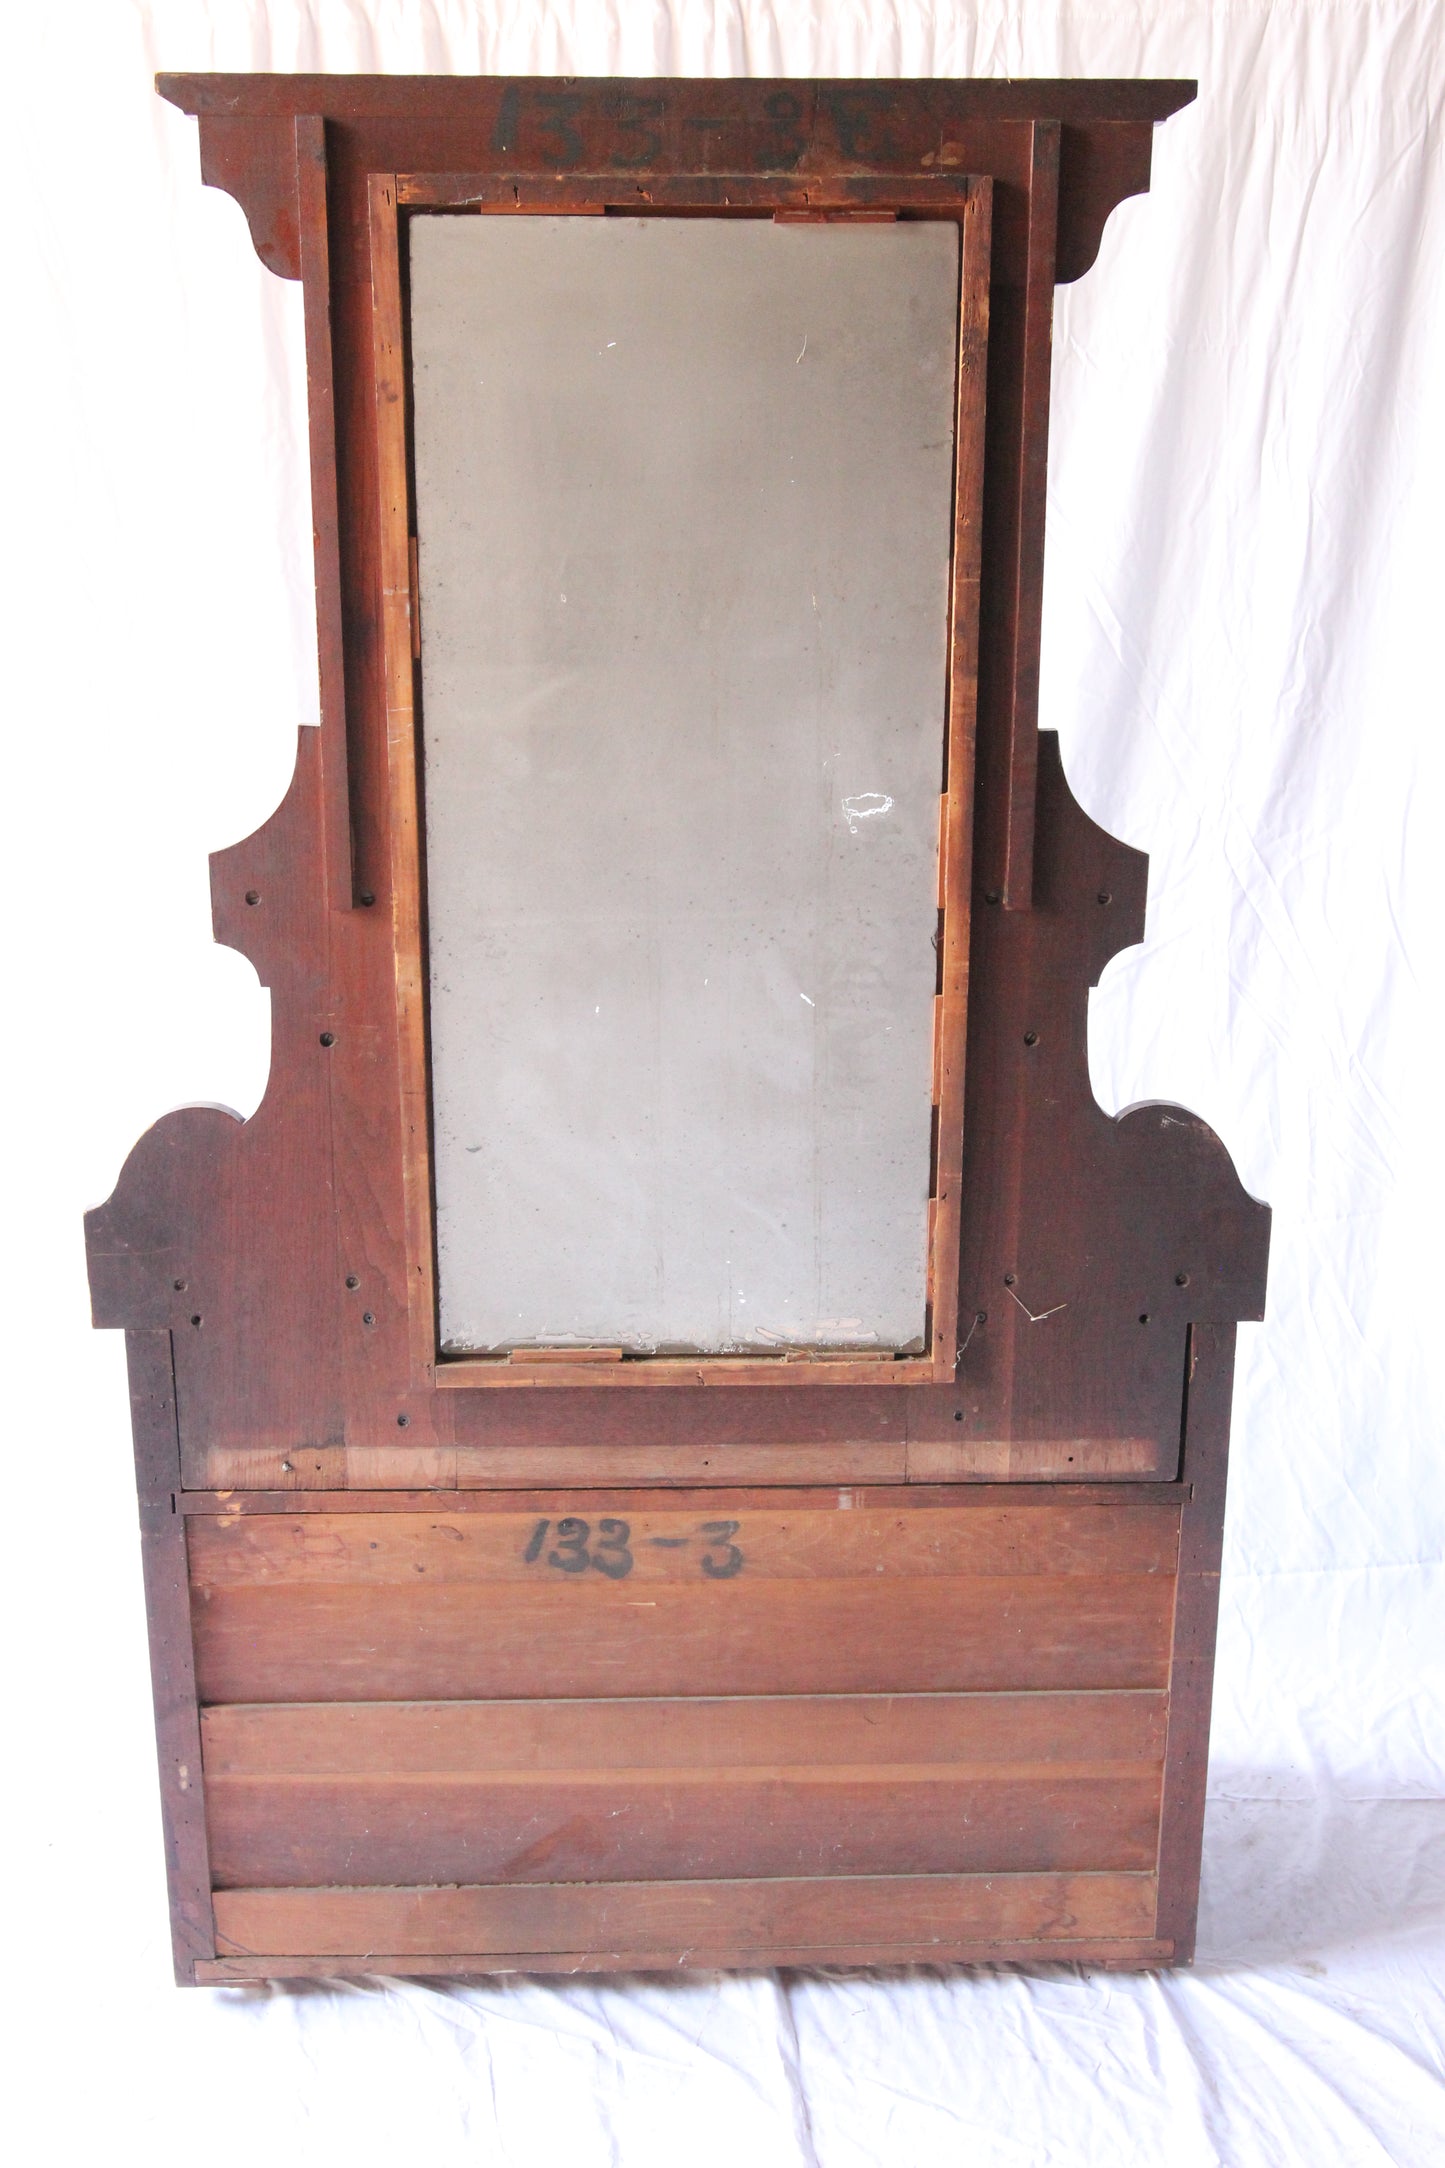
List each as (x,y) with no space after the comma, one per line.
(1035,1317)
(866,806)
(802,350)
(808,998)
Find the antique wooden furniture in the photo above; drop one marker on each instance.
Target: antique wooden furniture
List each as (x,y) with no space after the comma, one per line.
(856,1644)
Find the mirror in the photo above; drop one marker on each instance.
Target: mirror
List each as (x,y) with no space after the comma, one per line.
(684,500)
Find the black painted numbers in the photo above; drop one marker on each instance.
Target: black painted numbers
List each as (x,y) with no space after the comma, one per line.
(572,1545)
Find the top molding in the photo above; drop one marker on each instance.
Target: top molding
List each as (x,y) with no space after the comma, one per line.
(861,137)
(367,97)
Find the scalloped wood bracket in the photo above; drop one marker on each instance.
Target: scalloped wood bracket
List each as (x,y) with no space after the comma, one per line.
(1091,1243)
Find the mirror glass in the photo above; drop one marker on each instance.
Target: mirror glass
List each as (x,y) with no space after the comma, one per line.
(684,510)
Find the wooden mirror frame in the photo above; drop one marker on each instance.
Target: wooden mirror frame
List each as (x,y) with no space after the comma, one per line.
(275,1277)
(961,200)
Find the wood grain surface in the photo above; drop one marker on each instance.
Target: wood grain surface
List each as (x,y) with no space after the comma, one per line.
(701,1920)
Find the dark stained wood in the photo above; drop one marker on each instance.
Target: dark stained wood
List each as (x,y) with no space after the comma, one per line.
(178,1736)
(622,1790)
(1196,1614)
(310,1395)
(1155,1497)
(1086,1278)
(313,257)
(955,842)
(967,200)
(695,1919)
(460,1738)
(652,1825)
(476,1640)
(1099,1955)
(968,1634)
(1019,536)
(663,1545)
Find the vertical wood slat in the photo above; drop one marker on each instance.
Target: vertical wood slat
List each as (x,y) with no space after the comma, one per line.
(315,255)
(1027,568)
(403,796)
(956,842)
(168,1618)
(1208,1393)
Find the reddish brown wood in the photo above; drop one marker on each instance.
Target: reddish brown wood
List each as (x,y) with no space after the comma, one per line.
(625,1790)
(233,1504)
(1196,1615)
(173,1684)
(664,1544)
(695,1919)
(475,1738)
(1027,1634)
(639,1825)
(1138,1954)
(474,1641)
(328,1390)
(314,260)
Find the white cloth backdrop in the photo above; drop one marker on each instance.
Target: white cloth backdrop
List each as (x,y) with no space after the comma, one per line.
(1242,639)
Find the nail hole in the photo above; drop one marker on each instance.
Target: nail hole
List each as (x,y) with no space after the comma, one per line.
(1031,1038)
(328,1038)
(991,896)
(286,1468)
(253,895)
(1104,896)
(1181,1279)
(980,1317)
(1009,1278)
(368,1317)
(1143,1317)
(179,1286)
(402,1421)
(958,1415)
(197,1318)
(352,1281)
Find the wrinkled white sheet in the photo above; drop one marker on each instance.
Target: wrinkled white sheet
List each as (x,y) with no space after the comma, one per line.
(1243,606)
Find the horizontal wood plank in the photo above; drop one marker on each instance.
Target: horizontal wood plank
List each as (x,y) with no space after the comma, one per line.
(1099,1954)
(702,1921)
(833,1497)
(459,1738)
(680,1825)
(590,1636)
(669,1546)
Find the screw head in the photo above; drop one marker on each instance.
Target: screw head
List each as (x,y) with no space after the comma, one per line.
(328,1038)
